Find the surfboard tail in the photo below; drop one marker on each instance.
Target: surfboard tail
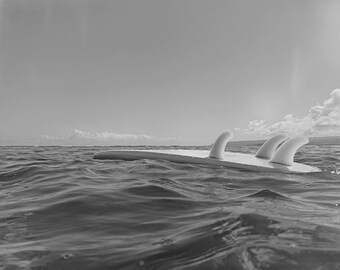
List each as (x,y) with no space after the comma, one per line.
(267,150)
(286,152)
(218,147)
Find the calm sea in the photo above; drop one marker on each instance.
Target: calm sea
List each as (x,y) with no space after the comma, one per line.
(61,209)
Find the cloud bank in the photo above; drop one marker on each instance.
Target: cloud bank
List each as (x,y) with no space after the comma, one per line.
(321,120)
(79,137)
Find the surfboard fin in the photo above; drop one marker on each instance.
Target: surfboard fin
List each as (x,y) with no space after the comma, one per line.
(218,147)
(267,150)
(286,152)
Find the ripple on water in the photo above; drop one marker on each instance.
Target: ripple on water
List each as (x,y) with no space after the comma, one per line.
(60,209)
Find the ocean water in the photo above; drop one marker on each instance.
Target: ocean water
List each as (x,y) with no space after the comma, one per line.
(61,209)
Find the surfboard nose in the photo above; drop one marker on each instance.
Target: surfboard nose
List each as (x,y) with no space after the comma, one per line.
(218,147)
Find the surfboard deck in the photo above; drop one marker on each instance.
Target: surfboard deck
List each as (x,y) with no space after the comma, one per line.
(228,159)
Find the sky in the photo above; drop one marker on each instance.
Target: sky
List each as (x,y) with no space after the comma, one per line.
(167,71)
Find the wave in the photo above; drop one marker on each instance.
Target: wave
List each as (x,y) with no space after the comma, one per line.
(60,209)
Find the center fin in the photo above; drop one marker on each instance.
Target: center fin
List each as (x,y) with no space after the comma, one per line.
(267,150)
(218,147)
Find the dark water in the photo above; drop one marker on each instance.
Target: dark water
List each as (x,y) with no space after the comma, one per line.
(60,209)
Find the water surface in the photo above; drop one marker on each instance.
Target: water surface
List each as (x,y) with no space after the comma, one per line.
(61,209)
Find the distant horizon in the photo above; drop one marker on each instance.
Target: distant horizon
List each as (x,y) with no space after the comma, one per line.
(312,140)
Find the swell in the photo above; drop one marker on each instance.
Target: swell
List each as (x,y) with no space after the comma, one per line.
(62,210)
(246,241)
(20,173)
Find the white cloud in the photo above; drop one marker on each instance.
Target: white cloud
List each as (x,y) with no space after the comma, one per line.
(80,137)
(256,126)
(321,120)
(107,136)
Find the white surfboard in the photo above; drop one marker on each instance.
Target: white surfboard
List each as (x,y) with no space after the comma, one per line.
(271,157)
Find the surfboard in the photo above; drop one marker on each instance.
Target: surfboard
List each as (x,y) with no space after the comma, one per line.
(275,155)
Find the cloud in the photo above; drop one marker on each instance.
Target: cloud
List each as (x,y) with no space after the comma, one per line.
(80,137)
(321,120)
(107,136)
